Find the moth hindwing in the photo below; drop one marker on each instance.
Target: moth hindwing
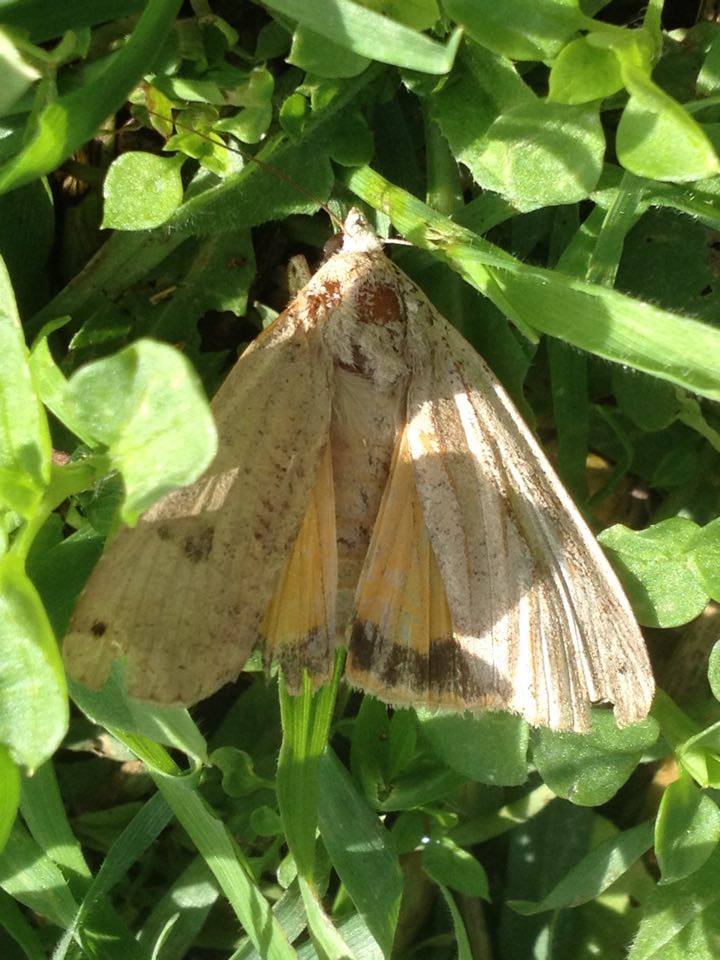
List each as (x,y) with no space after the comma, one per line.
(375,486)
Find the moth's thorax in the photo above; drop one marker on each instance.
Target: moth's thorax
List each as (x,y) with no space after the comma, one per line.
(357,299)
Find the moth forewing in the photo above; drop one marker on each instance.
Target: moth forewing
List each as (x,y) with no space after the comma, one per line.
(182,596)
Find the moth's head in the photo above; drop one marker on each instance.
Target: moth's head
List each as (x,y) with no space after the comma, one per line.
(358,236)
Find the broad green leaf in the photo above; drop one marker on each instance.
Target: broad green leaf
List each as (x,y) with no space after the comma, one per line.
(681,921)
(542,153)
(24,436)
(319,55)
(370,34)
(589,768)
(250,124)
(420,14)
(141,191)
(687,829)
(704,551)
(481,87)
(517,29)
(594,873)
(147,408)
(656,570)
(9,794)
(486,747)
(695,749)
(649,403)
(238,775)
(451,866)
(657,138)
(589,316)
(360,850)
(65,124)
(582,71)
(31,672)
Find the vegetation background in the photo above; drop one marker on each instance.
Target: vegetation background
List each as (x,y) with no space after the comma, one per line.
(554,164)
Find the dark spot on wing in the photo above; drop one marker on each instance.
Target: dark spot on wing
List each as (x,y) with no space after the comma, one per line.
(197,547)
(163,532)
(98,628)
(378,303)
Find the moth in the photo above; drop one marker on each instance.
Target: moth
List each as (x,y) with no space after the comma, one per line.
(374,487)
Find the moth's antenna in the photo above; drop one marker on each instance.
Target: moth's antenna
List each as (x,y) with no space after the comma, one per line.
(246,155)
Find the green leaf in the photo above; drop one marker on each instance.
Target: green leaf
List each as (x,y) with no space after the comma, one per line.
(370,34)
(449,865)
(60,572)
(594,873)
(402,741)
(687,829)
(24,437)
(65,124)
(31,877)
(318,55)
(266,822)
(141,191)
(18,75)
(210,835)
(31,671)
(714,670)
(146,406)
(113,709)
(9,794)
(650,404)
(589,768)
(238,776)
(142,831)
(583,72)
(13,920)
(485,747)
(255,97)
(657,139)
(541,153)
(27,234)
(517,29)
(704,551)
(481,87)
(682,920)
(656,570)
(360,850)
